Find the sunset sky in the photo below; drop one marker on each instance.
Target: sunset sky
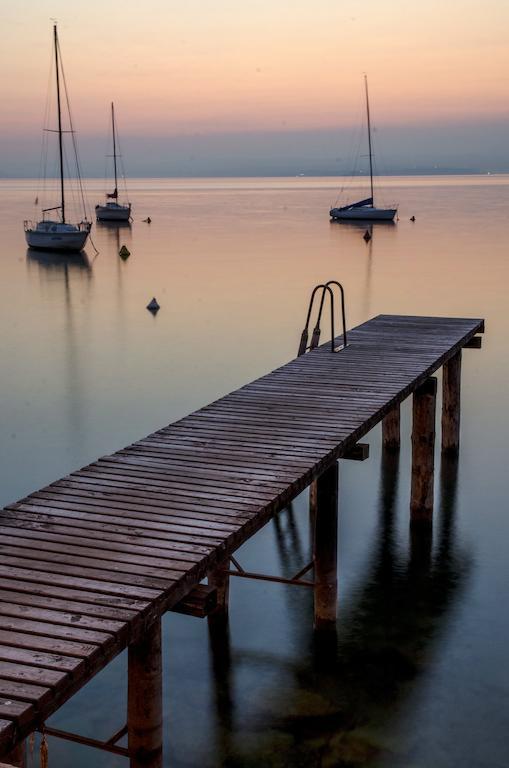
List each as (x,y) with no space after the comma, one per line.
(263,67)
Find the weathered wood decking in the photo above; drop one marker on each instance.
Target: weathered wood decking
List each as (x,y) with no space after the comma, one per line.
(89,561)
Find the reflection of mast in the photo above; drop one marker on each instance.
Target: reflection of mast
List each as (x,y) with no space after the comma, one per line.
(72,268)
(366,304)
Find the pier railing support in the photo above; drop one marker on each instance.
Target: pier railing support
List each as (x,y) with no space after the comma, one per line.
(391,429)
(451,401)
(324,512)
(145,700)
(423,452)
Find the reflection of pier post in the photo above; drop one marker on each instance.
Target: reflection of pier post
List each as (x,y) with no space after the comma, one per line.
(423,453)
(220,651)
(447,508)
(326,547)
(145,700)
(288,541)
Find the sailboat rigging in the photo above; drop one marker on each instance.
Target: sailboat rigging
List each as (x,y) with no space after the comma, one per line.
(365,209)
(113,211)
(51,233)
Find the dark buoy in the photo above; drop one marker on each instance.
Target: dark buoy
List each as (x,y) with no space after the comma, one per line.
(412,218)
(367,236)
(153,306)
(124,252)
(147,220)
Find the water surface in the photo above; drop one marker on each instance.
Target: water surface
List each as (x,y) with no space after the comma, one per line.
(418,675)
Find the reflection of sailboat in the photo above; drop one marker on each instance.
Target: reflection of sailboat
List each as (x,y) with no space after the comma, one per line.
(112,210)
(58,261)
(365,209)
(53,234)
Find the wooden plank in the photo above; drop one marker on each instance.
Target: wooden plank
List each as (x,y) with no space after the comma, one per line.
(47,678)
(37,658)
(20,711)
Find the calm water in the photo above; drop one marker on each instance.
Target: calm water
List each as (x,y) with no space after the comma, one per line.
(418,677)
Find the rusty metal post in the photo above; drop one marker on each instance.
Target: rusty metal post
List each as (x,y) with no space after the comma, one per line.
(451,401)
(423,452)
(325,553)
(391,430)
(145,700)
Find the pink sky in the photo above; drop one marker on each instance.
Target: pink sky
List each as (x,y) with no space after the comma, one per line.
(267,65)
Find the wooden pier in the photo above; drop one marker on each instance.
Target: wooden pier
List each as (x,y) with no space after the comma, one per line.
(90,563)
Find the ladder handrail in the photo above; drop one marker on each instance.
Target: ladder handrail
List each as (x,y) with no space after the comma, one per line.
(343,312)
(326,290)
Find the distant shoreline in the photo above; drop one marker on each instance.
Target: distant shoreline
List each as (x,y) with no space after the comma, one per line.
(299,174)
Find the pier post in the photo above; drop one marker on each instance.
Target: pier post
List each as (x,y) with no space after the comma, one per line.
(451,400)
(16,758)
(312,514)
(325,554)
(145,700)
(391,429)
(219,579)
(423,452)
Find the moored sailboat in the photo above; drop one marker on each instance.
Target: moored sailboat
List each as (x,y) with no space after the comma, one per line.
(112,210)
(58,234)
(365,209)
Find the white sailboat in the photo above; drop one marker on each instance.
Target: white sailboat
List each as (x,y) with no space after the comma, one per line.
(56,233)
(112,210)
(364,210)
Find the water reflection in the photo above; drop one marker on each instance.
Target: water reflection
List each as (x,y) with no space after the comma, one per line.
(56,261)
(362,225)
(66,275)
(343,689)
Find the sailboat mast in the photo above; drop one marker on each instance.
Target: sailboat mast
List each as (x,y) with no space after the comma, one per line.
(60,143)
(369,138)
(114,149)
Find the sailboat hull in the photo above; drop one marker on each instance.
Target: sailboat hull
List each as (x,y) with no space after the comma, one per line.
(56,239)
(363,214)
(113,212)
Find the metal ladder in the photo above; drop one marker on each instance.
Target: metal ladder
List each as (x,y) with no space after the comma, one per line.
(326,290)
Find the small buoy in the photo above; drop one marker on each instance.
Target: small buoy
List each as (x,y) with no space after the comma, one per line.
(147,220)
(412,218)
(153,306)
(124,252)
(367,236)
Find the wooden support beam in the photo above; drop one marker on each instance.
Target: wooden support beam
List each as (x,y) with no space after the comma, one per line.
(358,452)
(391,429)
(325,553)
(423,452)
(451,403)
(474,343)
(145,700)
(199,602)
